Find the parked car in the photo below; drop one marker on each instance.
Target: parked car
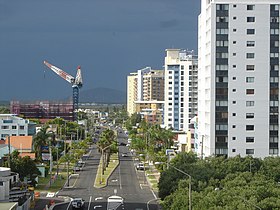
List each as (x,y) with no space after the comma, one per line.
(124,155)
(140,166)
(78,203)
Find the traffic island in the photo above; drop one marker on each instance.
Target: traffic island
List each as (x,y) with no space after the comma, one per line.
(101,180)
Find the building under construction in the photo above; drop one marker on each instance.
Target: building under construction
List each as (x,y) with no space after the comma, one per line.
(43,109)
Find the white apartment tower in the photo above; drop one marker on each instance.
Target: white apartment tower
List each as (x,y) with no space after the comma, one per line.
(238,77)
(180,89)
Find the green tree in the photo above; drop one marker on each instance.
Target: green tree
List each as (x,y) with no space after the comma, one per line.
(41,139)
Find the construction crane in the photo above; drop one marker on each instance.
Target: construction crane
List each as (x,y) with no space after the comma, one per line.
(76,83)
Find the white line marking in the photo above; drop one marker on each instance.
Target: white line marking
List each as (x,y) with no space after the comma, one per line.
(68,205)
(89,202)
(120,176)
(98,198)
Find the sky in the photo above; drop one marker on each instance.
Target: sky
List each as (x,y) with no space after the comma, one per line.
(108,38)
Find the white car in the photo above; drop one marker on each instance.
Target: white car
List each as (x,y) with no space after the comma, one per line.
(140,166)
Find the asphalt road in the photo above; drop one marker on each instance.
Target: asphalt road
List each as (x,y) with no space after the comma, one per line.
(125,181)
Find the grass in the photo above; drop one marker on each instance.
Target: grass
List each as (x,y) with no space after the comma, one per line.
(114,162)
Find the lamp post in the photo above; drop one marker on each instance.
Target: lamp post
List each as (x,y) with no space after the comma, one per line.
(190,185)
(190,182)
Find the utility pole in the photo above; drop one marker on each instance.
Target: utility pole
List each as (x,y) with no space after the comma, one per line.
(9,157)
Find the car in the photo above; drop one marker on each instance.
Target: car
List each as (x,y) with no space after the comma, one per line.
(78,203)
(76,168)
(140,166)
(124,155)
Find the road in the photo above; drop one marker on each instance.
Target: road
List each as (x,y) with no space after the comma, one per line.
(125,181)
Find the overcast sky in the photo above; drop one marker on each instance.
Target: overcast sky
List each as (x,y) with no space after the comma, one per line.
(108,38)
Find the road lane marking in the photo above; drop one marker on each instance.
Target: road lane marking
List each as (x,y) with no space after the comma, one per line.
(120,176)
(95,207)
(98,198)
(68,205)
(89,202)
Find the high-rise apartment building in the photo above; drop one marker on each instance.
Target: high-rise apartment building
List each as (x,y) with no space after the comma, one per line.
(144,88)
(180,89)
(238,49)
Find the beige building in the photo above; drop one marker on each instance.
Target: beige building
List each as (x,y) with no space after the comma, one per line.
(145,90)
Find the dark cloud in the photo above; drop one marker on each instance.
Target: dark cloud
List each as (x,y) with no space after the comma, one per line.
(108,38)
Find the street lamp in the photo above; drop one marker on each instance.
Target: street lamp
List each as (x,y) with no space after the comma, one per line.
(190,182)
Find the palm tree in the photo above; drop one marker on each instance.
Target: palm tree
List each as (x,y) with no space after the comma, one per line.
(41,139)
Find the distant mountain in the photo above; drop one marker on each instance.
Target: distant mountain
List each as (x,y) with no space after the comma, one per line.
(103,95)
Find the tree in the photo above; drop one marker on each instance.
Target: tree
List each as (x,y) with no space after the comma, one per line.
(41,139)
(24,166)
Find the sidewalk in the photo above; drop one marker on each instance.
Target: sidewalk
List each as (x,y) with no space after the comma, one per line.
(153,175)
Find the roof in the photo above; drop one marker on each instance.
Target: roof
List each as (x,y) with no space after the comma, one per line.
(20,142)
(31,155)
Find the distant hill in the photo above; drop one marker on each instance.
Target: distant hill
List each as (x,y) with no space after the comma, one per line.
(103,95)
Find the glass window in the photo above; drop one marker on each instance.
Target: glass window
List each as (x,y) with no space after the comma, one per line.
(221,31)
(222,19)
(250,115)
(274,55)
(251,7)
(250,67)
(250,127)
(250,91)
(250,103)
(250,151)
(250,139)
(250,19)
(250,31)
(274,31)
(250,43)
(250,79)
(250,55)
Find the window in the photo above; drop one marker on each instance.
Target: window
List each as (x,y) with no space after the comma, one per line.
(250,55)
(250,151)
(221,31)
(233,78)
(233,42)
(233,114)
(273,151)
(250,91)
(250,19)
(250,43)
(250,67)
(233,126)
(221,67)
(273,103)
(222,7)
(250,31)
(273,127)
(233,90)
(234,18)
(222,19)
(221,103)
(273,139)
(276,43)
(250,139)
(233,150)
(233,54)
(221,127)
(221,79)
(275,7)
(234,5)
(234,30)
(250,79)
(251,7)
(250,115)
(14,127)
(274,55)
(221,55)
(234,66)
(250,127)
(274,67)
(274,31)
(4,127)
(274,79)
(233,102)
(233,138)
(221,43)
(274,19)
(250,103)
